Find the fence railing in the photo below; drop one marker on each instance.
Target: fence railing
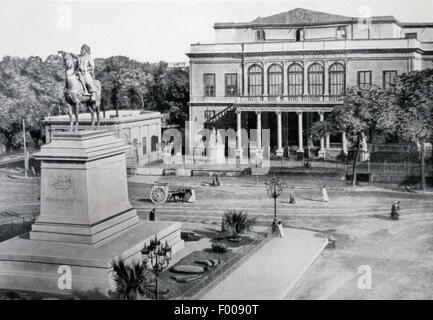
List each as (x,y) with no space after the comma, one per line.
(205,284)
(405,168)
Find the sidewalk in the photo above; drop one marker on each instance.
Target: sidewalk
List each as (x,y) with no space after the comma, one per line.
(273,270)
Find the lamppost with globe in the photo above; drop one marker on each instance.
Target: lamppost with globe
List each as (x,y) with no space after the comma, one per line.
(156,258)
(275,189)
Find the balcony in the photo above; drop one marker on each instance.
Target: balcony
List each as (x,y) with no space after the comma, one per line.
(293,99)
(272,100)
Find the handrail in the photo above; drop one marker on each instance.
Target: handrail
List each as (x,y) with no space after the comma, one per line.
(219,114)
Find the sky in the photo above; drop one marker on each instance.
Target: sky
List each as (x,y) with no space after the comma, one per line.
(152,31)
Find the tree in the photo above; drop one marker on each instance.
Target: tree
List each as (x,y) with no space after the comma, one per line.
(33,89)
(409,111)
(357,116)
(131,281)
(238,221)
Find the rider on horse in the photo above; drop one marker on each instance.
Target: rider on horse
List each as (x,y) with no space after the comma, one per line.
(86,69)
(81,88)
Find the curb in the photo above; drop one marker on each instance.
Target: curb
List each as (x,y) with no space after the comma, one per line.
(306,268)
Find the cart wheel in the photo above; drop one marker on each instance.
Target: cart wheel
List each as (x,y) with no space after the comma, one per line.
(158,195)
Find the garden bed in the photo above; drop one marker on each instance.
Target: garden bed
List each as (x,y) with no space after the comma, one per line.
(236,252)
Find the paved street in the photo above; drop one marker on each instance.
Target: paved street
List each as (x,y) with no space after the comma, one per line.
(398,252)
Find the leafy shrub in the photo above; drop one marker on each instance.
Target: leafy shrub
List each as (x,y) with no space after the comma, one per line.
(238,222)
(130,280)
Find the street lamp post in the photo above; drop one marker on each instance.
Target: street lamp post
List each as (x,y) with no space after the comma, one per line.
(275,189)
(156,257)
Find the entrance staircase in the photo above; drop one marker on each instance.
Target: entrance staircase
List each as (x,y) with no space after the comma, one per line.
(212,121)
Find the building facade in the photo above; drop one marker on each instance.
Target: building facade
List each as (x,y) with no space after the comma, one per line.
(288,70)
(141,130)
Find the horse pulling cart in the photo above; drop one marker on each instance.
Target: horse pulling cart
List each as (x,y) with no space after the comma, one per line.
(161,193)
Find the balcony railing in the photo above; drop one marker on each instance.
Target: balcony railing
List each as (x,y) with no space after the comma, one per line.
(269,99)
(304,98)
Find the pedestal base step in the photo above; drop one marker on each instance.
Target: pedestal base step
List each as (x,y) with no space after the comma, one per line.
(75,233)
(34,265)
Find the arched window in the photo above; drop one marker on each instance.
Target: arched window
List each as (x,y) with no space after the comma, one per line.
(337,79)
(255,80)
(275,80)
(316,77)
(295,80)
(299,35)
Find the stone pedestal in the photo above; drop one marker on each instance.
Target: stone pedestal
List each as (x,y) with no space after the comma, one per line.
(279,152)
(85,220)
(216,154)
(84,193)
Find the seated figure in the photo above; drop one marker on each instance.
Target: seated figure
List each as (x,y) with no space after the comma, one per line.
(394,210)
(292,199)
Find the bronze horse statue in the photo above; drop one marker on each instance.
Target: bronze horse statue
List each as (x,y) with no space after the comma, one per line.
(76,95)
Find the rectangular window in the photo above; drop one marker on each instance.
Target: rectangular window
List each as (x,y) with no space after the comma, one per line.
(154,144)
(341,33)
(364,79)
(260,35)
(231,84)
(411,35)
(209,114)
(144,142)
(209,84)
(388,78)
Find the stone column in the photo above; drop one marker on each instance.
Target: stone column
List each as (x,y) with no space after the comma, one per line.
(326,80)
(265,81)
(322,152)
(47,134)
(246,80)
(343,143)
(191,136)
(327,142)
(285,79)
(239,134)
(300,137)
(279,136)
(259,134)
(305,78)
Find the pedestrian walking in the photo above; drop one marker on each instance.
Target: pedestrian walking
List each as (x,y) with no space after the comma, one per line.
(152,215)
(325,197)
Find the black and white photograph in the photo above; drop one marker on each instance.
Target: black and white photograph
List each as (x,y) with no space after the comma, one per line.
(216,151)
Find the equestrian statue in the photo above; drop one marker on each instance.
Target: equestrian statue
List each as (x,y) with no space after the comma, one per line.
(81,87)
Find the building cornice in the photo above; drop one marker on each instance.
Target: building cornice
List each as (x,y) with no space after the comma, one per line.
(418,25)
(305,52)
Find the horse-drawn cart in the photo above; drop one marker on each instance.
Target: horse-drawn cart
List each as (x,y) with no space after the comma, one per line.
(161,193)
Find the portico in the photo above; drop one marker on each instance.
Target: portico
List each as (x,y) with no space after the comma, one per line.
(279,111)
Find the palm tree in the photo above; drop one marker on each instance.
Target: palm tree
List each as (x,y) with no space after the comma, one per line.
(131,281)
(238,221)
